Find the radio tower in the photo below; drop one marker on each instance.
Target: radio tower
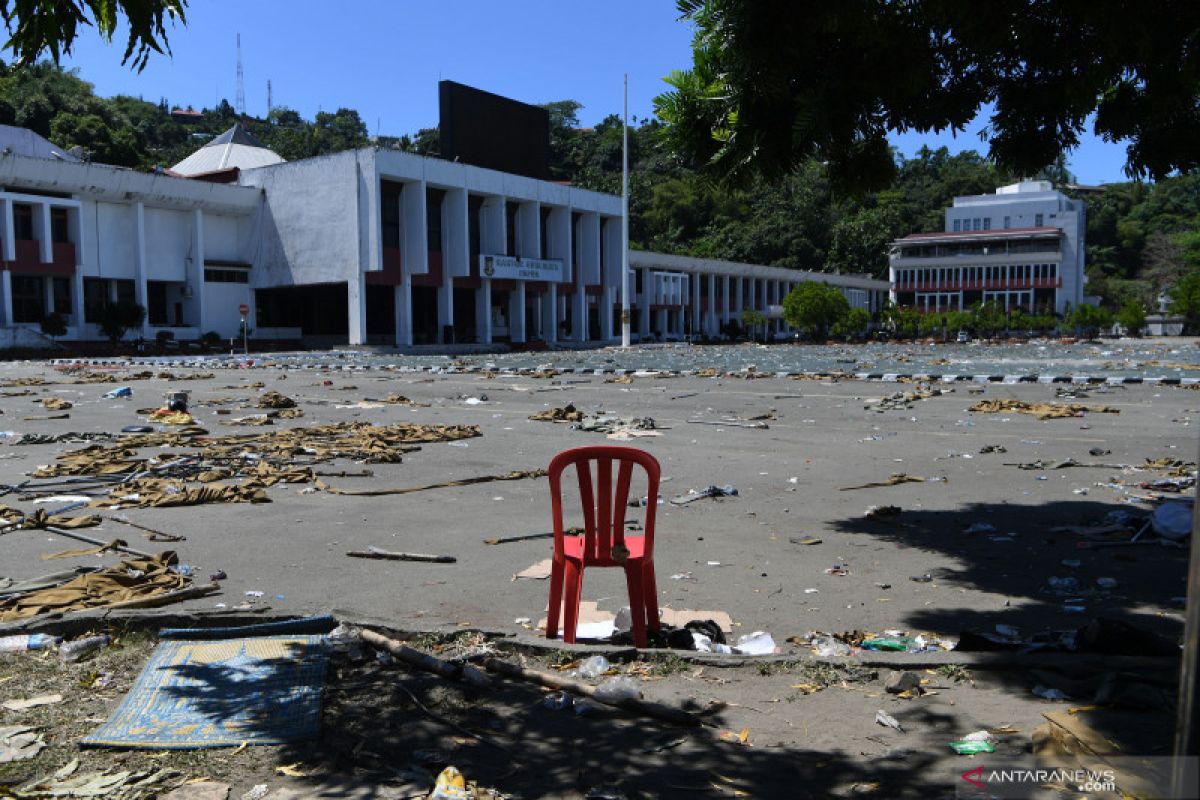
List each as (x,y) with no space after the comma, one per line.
(240,103)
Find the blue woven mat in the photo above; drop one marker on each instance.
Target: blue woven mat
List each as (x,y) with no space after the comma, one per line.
(192,694)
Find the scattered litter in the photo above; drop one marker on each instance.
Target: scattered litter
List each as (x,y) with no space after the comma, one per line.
(593,667)
(838,569)
(805,540)
(78,649)
(32,702)
(18,742)
(120,391)
(972,747)
(1172,520)
(885,719)
(900,682)
(617,689)
(1048,693)
(1106,583)
(1040,410)
(926,578)
(27,641)
(538,572)
(708,491)
(881,512)
(893,480)
(758,643)
(981,527)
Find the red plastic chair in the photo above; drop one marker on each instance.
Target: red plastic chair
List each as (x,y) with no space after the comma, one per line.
(604,543)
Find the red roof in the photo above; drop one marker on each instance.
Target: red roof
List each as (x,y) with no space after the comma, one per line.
(995,233)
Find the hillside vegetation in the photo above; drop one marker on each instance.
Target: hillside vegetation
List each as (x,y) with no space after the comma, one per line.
(1141,237)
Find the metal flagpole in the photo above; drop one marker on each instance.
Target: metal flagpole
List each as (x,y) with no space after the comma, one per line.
(625,222)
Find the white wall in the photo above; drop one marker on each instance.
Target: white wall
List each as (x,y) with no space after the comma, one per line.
(116,241)
(168,244)
(310,226)
(221,303)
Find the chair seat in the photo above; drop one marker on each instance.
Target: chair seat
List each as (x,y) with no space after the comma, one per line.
(573,549)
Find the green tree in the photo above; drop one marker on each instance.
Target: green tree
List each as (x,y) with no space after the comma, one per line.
(53,325)
(988,319)
(815,307)
(1185,301)
(751,320)
(852,326)
(756,104)
(116,319)
(1087,320)
(1132,318)
(36,27)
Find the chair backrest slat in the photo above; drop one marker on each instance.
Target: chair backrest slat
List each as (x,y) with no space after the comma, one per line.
(603,503)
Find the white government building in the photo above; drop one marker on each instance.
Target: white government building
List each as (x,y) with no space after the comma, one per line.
(1022,247)
(368,246)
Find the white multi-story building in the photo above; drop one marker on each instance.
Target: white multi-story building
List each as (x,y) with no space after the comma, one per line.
(1022,247)
(365,246)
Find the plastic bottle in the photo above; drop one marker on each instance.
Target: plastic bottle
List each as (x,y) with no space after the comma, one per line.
(614,690)
(28,641)
(594,667)
(73,651)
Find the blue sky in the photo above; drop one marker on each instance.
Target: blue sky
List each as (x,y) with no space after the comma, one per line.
(384,59)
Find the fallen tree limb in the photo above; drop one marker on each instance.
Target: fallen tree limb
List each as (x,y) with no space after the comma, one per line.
(189,593)
(666,713)
(515,475)
(375,552)
(447,669)
(729,423)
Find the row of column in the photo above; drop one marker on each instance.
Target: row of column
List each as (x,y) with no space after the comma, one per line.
(574,242)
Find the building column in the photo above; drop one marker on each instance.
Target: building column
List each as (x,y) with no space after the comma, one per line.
(483,311)
(139,265)
(694,292)
(516,313)
(403,310)
(195,272)
(643,304)
(10,242)
(549,303)
(608,297)
(6,308)
(45,233)
(710,313)
(739,301)
(445,306)
(356,309)
(725,300)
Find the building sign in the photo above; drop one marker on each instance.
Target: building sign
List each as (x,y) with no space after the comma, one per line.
(521,269)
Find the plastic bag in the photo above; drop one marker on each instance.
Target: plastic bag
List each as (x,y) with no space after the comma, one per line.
(616,689)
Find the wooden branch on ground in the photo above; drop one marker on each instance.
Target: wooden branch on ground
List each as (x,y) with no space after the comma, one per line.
(447,669)
(660,711)
(389,555)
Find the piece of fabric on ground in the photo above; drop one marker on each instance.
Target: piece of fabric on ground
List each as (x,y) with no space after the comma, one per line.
(1040,410)
(222,693)
(132,579)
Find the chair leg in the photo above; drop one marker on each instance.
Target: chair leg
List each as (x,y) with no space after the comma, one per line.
(554,609)
(637,603)
(573,584)
(650,596)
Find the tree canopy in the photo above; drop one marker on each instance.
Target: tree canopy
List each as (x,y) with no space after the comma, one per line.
(37,27)
(776,83)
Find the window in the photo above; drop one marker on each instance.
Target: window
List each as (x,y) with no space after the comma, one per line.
(957,225)
(62,296)
(58,225)
(95,296)
(226,275)
(987,223)
(22,221)
(1037,220)
(390,209)
(1007,223)
(433,219)
(975,224)
(125,292)
(28,298)
(510,228)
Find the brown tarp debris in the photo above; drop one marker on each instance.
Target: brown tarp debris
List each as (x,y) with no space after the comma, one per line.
(56,403)
(159,493)
(567,413)
(620,379)
(706,372)
(273,399)
(894,480)
(86,551)
(515,475)
(101,588)
(1174,467)
(401,400)
(41,518)
(1040,410)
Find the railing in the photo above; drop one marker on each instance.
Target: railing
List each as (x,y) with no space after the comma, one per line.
(955,286)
